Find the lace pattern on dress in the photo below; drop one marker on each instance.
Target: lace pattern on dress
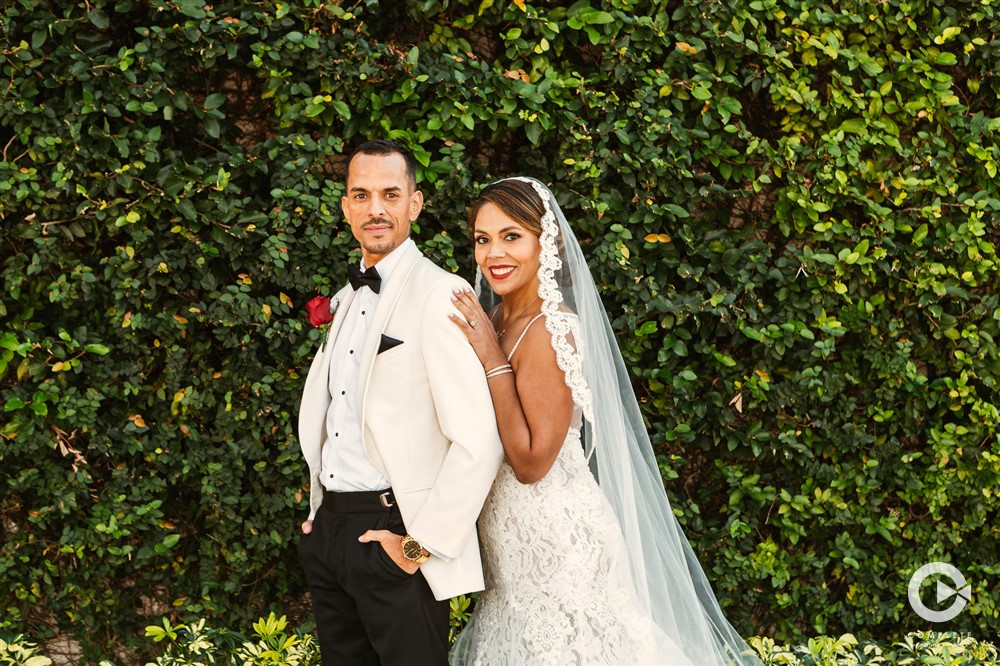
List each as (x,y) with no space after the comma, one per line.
(558,591)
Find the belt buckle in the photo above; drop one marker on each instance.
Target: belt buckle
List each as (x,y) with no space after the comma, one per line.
(384,499)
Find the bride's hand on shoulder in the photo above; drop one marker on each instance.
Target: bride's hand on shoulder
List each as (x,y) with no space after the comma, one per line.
(478,328)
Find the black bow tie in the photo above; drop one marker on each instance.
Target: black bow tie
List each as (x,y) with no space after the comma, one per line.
(358,277)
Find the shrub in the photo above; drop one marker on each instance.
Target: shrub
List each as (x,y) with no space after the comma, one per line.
(944,648)
(790,206)
(20,652)
(195,643)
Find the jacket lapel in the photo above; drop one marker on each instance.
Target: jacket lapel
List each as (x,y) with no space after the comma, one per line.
(386,304)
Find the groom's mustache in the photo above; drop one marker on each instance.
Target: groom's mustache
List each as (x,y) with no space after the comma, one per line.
(377,222)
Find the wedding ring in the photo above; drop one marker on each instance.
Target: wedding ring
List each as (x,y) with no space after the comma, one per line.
(473,323)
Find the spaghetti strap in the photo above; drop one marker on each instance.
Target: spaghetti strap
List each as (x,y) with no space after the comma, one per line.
(521,337)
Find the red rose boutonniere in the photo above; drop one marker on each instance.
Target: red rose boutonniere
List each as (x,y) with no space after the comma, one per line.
(321,311)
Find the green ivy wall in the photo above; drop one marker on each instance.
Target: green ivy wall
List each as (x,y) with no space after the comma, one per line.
(791,206)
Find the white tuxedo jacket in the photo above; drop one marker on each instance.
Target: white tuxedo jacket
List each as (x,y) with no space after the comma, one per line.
(427,418)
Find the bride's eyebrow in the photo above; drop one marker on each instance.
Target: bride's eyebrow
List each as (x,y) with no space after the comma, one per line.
(505,230)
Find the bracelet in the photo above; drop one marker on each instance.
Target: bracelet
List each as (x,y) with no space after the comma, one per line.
(489,373)
(499,371)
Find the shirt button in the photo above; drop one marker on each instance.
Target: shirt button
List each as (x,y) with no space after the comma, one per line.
(343,393)
(336,434)
(362,313)
(352,351)
(331,476)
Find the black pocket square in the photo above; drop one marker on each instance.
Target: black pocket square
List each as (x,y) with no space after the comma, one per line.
(387,343)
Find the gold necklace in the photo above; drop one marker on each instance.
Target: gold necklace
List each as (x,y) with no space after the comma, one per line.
(522,311)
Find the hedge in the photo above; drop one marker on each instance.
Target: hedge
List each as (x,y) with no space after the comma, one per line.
(790,206)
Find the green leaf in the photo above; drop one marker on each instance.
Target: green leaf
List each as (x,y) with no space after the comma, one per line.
(342,109)
(677,210)
(871,67)
(99,18)
(187,209)
(193,8)
(853,126)
(13,404)
(596,17)
(8,341)
(38,38)
(647,328)
(533,131)
(725,359)
(701,91)
(947,34)
(214,101)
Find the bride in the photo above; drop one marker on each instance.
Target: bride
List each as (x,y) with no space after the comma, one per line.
(585,563)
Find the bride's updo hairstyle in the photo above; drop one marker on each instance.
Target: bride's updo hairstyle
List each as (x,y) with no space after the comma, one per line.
(517,200)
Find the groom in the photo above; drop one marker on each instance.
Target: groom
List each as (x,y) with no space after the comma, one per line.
(398,429)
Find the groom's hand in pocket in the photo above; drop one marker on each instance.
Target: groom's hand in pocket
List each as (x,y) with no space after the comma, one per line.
(393,546)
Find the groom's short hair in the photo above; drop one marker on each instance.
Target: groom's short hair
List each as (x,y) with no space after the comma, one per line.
(386,147)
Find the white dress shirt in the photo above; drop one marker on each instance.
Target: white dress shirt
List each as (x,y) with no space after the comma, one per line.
(345,467)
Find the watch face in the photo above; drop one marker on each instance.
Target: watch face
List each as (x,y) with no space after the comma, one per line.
(412,549)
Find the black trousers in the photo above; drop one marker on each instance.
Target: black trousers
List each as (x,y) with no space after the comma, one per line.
(368,610)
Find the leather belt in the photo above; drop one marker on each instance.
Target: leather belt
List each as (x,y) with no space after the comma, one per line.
(369,501)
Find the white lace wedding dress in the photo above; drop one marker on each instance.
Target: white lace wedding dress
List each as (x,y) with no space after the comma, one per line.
(557,591)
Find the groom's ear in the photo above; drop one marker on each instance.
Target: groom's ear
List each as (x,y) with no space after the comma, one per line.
(416,204)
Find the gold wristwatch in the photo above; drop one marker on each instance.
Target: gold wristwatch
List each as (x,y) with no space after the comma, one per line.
(413,551)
